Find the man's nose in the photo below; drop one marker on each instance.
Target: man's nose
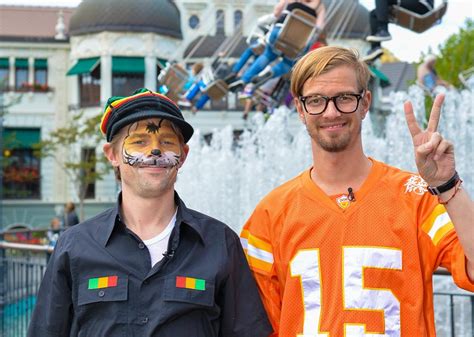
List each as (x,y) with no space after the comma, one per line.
(331,110)
(155,146)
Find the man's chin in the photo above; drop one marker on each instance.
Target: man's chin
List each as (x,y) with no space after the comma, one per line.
(334,148)
(333,145)
(156,190)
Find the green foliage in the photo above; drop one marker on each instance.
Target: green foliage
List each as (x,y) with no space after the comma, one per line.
(457,54)
(64,143)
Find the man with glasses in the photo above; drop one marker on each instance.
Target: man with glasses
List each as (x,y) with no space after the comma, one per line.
(349,247)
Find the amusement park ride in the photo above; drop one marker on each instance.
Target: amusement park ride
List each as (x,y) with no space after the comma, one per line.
(298,34)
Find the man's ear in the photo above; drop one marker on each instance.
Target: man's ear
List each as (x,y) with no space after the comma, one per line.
(110,154)
(366,101)
(184,155)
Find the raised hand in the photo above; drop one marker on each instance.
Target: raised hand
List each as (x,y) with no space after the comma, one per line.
(434,155)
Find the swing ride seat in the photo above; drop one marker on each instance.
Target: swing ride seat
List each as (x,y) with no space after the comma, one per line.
(216,89)
(262,97)
(417,22)
(275,96)
(281,90)
(174,79)
(295,33)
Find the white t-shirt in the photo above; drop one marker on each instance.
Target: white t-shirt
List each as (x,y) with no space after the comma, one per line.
(159,244)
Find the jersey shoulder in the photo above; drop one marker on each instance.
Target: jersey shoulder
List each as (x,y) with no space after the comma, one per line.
(283,194)
(403,182)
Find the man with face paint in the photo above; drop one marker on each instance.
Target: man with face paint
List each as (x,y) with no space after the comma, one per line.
(148,266)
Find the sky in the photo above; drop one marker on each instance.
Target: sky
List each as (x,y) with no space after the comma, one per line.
(405,45)
(408,46)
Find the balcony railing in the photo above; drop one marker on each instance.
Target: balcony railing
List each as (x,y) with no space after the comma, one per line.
(37,88)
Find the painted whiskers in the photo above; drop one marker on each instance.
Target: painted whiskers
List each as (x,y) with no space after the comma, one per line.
(166,159)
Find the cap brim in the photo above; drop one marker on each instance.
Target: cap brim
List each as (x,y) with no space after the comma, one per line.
(186,128)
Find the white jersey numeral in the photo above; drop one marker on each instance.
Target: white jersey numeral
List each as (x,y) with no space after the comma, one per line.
(305,265)
(356,296)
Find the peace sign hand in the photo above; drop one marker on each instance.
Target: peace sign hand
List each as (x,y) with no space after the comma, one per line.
(434,155)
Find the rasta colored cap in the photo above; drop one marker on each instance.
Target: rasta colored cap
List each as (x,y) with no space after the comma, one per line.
(142,104)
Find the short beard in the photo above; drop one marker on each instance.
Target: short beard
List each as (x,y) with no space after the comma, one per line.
(334,145)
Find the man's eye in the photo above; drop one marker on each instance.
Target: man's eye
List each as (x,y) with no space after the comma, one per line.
(315,100)
(345,98)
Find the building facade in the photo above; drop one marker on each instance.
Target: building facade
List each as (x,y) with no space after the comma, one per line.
(58,62)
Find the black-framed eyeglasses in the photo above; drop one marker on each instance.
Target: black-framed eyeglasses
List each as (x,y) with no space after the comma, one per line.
(345,103)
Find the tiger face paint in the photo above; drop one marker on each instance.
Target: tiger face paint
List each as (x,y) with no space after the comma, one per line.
(152,143)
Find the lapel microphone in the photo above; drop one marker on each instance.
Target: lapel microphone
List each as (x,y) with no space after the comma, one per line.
(169,254)
(351,195)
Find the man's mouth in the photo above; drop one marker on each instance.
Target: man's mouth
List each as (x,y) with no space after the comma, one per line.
(333,126)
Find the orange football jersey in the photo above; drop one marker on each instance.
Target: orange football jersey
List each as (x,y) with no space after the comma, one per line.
(360,268)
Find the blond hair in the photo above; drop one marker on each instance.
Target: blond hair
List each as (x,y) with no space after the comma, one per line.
(324,59)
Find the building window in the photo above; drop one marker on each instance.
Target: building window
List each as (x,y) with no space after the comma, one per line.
(3,79)
(87,71)
(128,74)
(21,74)
(194,21)
(4,73)
(238,19)
(126,84)
(21,168)
(88,157)
(41,75)
(89,88)
(160,66)
(220,22)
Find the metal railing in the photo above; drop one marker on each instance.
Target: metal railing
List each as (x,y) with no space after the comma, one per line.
(22,267)
(456,325)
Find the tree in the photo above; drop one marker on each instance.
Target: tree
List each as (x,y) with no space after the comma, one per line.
(64,144)
(457,54)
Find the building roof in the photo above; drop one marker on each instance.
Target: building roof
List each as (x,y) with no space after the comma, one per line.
(209,45)
(153,16)
(401,75)
(41,22)
(350,21)
(346,19)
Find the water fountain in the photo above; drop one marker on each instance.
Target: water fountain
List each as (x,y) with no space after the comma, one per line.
(226,179)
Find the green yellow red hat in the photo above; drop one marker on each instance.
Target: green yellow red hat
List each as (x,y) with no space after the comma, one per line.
(142,104)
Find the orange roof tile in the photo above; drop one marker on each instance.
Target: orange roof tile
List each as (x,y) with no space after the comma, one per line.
(31,21)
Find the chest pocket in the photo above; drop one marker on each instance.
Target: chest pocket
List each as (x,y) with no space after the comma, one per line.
(200,294)
(98,289)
